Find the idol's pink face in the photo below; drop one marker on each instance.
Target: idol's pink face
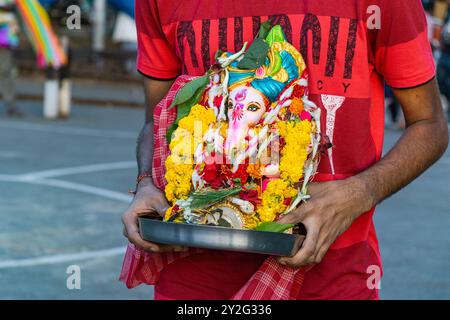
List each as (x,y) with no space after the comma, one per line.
(245,108)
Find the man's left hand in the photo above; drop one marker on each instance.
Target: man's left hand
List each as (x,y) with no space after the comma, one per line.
(332,208)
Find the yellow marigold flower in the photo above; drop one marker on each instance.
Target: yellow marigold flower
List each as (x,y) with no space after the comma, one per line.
(251,221)
(199,117)
(297,137)
(179,165)
(178,176)
(273,199)
(223,129)
(168,214)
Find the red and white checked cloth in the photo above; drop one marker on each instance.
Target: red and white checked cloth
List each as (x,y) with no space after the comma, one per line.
(272,281)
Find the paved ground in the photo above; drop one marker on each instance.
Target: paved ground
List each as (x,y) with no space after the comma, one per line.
(56,213)
(63,188)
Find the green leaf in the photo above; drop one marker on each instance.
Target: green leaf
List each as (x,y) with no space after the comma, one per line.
(274,227)
(218,54)
(255,55)
(170,131)
(224,223)
(183,110)
(264,30)
(189,90)
(276,34)
(208,198)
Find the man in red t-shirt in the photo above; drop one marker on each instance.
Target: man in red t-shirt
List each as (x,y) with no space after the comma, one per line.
(351,48)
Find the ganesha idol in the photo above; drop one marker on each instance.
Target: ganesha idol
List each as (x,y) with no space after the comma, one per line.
(259,148)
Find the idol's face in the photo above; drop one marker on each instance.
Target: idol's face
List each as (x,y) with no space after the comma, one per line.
(246,106)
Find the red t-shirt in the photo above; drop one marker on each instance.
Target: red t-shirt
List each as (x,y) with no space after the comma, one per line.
(350,46)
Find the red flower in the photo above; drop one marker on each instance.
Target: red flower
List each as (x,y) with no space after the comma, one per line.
(241,173)
(217,101)
(212,175)
(225,171)
(298,92)
(250,195)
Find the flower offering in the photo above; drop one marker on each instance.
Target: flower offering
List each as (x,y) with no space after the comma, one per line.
(246,139)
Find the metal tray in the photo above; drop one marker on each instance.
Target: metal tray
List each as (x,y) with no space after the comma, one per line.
(221,238)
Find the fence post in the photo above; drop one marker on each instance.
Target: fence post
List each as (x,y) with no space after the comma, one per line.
(65,90)
(51,94)
(99,25)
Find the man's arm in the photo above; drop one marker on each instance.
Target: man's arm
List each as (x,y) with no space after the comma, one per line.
(421,145)
(155,90)
(148,198)
(335,205)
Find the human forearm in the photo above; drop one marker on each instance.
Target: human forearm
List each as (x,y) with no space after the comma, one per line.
(144,149)
(421,145)
(154,90)
(334,205)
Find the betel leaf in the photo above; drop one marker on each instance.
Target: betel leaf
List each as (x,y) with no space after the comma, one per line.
(255,55)
(264,29)
(183,110)
(274,227)
(189,90)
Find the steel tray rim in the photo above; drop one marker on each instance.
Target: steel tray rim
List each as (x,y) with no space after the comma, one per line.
(220,238)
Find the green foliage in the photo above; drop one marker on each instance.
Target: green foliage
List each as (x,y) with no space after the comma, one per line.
(274,227)
(189,90)
(276,34)
(208,198)
(255,55)
(187,97)
(264,30)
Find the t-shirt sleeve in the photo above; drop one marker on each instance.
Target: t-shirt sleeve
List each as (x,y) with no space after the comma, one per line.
(403,52)
(156,57)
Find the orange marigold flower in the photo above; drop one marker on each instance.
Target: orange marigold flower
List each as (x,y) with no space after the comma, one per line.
(296,106)
(254,170)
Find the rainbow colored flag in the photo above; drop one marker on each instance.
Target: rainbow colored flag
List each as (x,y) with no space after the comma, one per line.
(45,43)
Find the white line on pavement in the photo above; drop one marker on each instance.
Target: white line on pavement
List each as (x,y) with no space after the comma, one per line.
(71,256)
(77,170)
(61,258)
(68,130)
(114,195)
(85,189)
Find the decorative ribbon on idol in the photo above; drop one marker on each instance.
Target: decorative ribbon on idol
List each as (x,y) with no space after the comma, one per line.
(37,25)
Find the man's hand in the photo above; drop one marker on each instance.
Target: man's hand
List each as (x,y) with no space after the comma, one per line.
(335,205)
(148,200)
(331,210)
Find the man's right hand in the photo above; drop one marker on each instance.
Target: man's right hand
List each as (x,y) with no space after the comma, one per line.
(147,201)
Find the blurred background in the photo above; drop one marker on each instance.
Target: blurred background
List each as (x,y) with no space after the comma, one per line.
(72,106)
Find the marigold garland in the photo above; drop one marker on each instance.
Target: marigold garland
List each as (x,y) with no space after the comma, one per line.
(297,137)
(179,165)
(273,199)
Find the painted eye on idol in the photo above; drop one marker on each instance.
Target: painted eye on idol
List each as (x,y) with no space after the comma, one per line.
(253,107)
